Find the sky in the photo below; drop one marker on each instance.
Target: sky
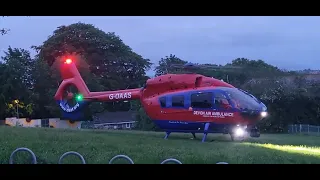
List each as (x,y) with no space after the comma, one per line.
(290,42)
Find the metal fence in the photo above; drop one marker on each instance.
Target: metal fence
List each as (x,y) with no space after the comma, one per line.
(34,158)
(304,129)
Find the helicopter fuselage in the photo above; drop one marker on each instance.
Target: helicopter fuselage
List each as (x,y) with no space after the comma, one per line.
(175,102)
(188,101)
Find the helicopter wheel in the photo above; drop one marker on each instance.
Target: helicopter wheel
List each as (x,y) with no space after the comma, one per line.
(255,133)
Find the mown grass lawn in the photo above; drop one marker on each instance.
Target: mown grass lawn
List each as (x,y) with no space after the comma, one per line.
(98,146)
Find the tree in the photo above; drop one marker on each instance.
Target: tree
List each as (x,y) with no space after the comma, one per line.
(106,54)
(3,31)
(45,86)
(166,65)
(252,69)
(17,81)
(3,96)
(112,64)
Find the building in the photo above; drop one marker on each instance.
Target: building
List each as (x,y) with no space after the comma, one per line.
(115,120)
(51,122)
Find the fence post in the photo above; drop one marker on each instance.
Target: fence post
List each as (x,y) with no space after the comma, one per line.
(300,128)
(318,130)
(308,129)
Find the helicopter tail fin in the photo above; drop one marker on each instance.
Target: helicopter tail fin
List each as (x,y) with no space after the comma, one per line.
(71,77)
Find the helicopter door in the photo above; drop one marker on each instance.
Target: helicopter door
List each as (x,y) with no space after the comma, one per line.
(178,101)
(221,101)
(201,100)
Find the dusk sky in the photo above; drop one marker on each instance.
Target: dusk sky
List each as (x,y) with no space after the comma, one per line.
(287,42)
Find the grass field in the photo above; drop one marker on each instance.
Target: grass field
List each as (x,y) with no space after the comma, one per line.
(99,146)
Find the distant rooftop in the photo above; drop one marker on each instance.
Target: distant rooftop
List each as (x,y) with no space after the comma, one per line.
(114,117)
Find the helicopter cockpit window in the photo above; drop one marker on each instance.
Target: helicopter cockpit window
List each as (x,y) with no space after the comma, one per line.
(163,101)
(243,100)
(220,101)
(201,100)
(178,101)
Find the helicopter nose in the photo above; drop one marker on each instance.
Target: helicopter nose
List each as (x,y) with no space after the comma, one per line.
(256,113)
(263,106)
(264,109)
(264,114)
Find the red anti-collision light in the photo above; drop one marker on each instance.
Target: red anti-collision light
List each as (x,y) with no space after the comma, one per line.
(68,61)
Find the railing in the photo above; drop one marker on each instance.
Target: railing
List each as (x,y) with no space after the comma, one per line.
(304,129)
(34,158)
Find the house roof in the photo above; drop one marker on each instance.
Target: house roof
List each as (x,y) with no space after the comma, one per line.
(114,117)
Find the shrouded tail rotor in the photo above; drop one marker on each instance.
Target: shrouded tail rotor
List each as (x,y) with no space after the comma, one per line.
(71,92)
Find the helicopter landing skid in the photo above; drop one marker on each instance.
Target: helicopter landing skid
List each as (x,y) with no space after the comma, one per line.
(194,135)
(167,135)
(205,133)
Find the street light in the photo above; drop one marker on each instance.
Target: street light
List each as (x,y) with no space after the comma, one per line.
(17,104)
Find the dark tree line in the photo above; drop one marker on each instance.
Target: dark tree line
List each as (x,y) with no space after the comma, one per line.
(107,63)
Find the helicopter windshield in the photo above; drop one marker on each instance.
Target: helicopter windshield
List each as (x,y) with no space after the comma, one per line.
(243,100)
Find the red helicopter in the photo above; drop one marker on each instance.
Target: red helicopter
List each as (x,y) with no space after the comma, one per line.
(188,103)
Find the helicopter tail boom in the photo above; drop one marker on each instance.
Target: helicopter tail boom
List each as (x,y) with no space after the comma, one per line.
(71,76)
(109,96)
